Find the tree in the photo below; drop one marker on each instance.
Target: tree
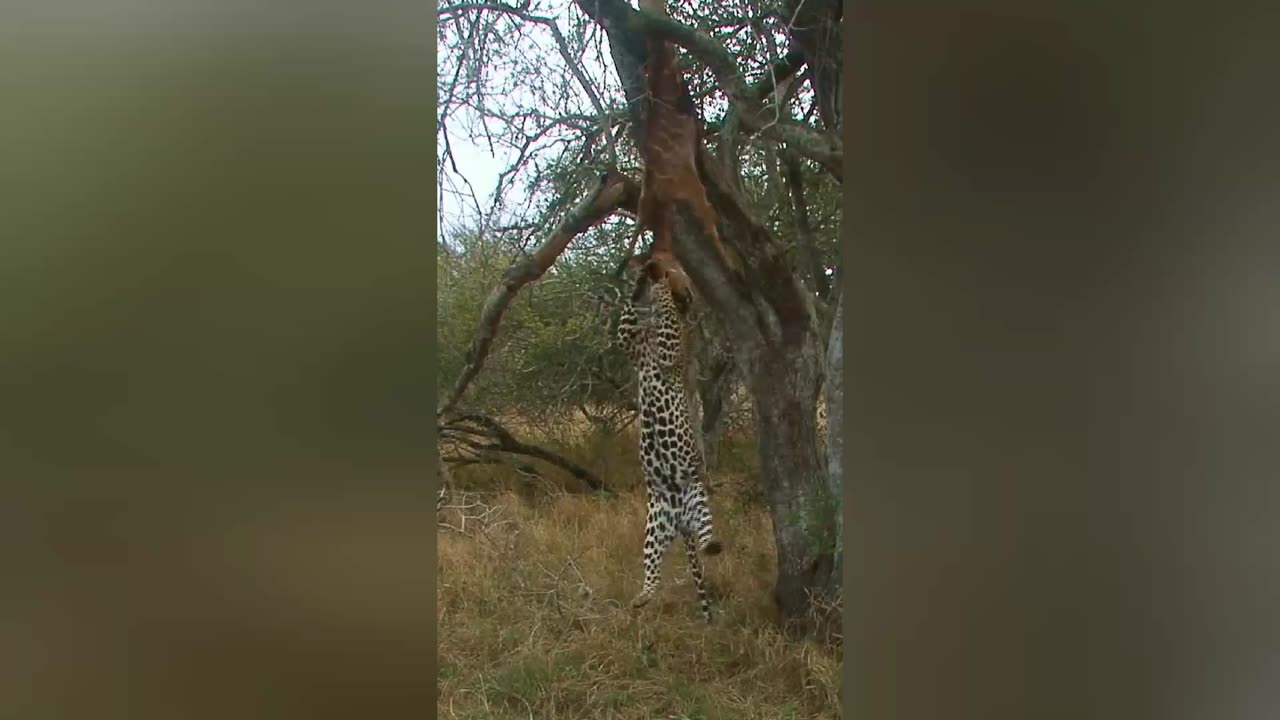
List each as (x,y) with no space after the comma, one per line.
(766,79)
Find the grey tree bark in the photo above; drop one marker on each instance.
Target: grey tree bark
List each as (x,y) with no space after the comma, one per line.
(835,446)
(772,321)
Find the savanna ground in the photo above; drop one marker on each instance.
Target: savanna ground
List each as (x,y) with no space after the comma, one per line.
(533,599)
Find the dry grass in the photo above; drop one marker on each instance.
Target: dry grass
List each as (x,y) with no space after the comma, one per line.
(534,620)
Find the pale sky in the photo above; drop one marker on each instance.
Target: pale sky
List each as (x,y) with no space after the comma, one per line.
(481,168)
(477,163)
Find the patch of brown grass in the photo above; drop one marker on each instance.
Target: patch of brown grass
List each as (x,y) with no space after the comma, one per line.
(534,618)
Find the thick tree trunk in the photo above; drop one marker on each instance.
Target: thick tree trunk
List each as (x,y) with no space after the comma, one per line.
(835,424)
(769,315)
(834,391)
(785,387)
(774,330)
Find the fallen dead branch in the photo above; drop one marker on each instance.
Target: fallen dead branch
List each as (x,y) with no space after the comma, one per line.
(489,440)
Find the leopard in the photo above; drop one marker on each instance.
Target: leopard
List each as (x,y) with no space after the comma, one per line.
(649,332)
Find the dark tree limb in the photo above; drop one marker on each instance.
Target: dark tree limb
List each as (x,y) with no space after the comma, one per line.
(491,459)
(486,435)
(615,191)
(773,86)
(817,33)
(629,50)
(714,389)
(793,172)
(780,74)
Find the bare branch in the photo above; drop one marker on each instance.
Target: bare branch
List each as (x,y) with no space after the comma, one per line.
(614,191)
(562,45)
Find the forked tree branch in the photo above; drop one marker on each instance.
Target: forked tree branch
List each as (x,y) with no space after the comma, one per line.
(627,29)
(823,148)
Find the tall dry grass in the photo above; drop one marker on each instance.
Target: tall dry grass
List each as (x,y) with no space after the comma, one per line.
(534,617)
